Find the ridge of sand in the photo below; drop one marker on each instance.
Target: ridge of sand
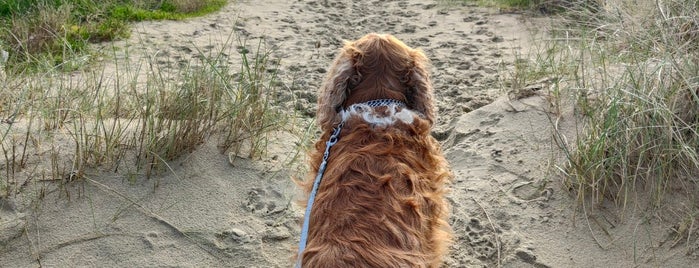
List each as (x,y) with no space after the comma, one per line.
(508,206)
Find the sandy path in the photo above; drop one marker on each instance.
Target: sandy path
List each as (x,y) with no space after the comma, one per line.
(508,207)
(467,46)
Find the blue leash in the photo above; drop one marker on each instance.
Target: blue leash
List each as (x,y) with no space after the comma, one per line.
(316,183)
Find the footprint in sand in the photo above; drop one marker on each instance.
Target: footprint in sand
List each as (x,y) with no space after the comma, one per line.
(265,202)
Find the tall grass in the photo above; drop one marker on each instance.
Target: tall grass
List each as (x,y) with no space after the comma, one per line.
(632,70)
(56,126)
(65,127)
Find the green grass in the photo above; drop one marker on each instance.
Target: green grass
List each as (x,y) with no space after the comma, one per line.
(61,30)
(169,10)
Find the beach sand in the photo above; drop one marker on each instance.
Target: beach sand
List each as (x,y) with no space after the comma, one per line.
(509,205)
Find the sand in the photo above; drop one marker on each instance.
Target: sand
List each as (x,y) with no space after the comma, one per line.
(509,206)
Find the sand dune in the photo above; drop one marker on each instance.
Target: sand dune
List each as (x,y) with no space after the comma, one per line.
(509,207)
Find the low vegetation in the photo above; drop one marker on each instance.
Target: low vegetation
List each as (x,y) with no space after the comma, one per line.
(637,84)
(59,127)
(632,72)
(53,32)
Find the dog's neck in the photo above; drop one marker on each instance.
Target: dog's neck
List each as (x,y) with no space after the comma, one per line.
(394,111)
(367,92)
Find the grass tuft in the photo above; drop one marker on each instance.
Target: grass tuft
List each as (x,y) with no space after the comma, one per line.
(252,115)
(633,74)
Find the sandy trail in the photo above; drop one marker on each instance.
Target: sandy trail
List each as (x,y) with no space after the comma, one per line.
(509,208)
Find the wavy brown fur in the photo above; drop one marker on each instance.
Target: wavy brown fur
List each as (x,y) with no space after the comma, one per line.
(374,67)
(381,202)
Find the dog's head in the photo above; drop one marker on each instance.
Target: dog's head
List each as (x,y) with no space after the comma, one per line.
(377,66)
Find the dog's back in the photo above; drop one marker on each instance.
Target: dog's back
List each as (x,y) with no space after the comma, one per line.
(381,200)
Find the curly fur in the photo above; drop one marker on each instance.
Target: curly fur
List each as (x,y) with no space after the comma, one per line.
(381,201)
(374,67)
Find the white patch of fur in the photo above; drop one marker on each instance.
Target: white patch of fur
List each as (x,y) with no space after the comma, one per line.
(390,117)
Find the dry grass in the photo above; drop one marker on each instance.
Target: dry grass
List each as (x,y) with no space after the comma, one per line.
(40,32)
(632,72)
(58,128)
(639,80)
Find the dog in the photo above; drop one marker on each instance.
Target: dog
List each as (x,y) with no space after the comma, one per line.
(380,202)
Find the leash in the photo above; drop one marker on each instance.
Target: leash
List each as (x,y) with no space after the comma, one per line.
(316,183)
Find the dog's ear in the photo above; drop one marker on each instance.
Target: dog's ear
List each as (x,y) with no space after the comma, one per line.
(342,77)
(420,95)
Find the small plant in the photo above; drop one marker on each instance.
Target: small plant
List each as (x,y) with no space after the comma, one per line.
(250,107)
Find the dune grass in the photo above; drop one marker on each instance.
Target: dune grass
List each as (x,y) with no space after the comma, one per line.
(43,34)
(632,72)
(622,81)
(59,127)
(56,128)
(508,5)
